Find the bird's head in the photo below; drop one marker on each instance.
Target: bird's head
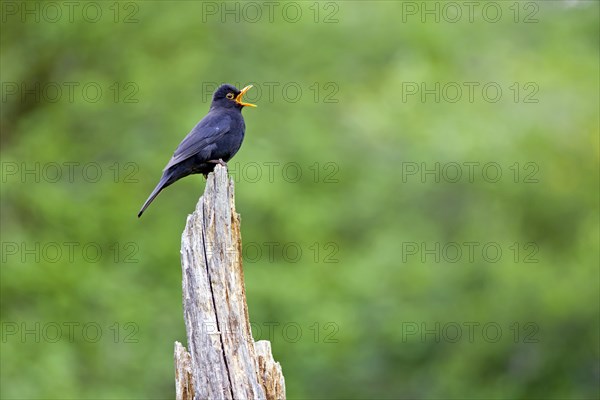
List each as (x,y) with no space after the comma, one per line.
(229,96)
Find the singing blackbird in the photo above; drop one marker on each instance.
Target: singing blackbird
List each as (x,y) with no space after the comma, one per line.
(214,140)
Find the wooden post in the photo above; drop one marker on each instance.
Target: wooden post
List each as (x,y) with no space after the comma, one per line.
(222,360)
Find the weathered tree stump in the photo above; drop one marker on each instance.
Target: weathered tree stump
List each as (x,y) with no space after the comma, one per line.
(222,360)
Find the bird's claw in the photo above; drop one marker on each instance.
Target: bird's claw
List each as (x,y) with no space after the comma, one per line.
(219,161)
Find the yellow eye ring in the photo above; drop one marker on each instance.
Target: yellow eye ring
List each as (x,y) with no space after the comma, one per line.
(229,95)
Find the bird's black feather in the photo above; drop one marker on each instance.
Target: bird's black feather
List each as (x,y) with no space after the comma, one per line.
(203,139)
(218,136)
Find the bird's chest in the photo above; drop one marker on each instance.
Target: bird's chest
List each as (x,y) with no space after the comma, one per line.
(230,143)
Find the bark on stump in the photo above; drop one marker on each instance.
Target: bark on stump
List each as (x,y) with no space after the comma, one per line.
(222,360)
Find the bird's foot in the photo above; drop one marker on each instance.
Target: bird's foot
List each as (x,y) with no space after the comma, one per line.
(219,161)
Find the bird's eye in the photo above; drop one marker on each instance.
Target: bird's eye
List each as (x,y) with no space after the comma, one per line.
(229,95)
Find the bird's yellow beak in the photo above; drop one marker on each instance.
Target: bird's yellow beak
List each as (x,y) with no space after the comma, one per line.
(238,99)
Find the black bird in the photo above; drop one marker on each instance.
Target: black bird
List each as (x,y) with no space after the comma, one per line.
(214,140)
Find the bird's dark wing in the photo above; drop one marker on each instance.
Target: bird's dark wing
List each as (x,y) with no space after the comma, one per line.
(202,139)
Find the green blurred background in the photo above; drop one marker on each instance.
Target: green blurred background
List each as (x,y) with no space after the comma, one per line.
(360,97)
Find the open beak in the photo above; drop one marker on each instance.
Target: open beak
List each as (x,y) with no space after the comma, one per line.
(238,99)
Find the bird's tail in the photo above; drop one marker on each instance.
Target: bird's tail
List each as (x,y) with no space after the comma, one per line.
(165,181)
